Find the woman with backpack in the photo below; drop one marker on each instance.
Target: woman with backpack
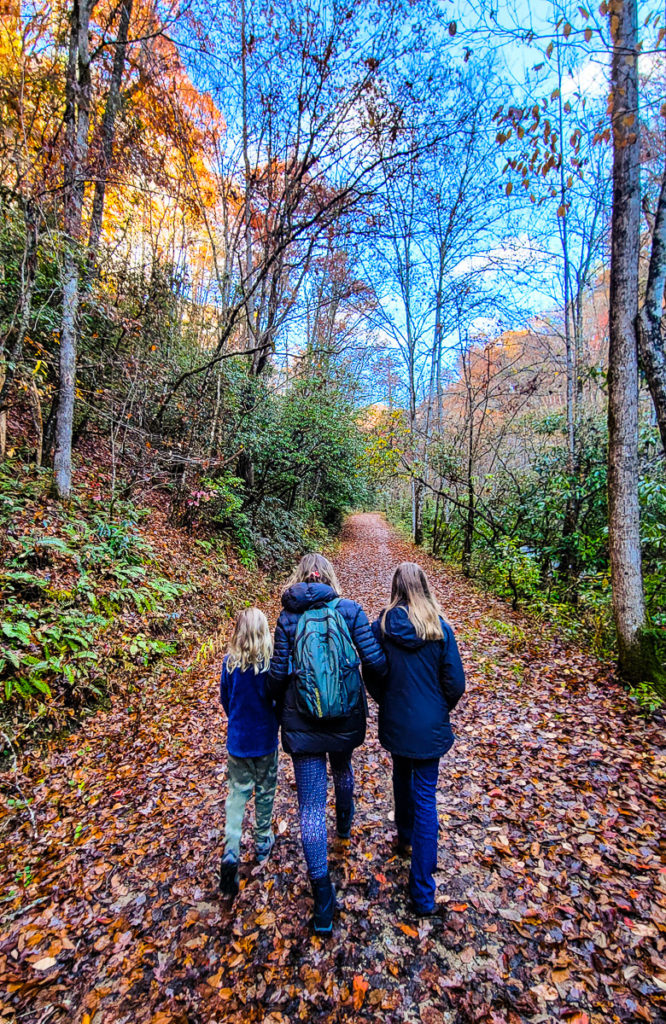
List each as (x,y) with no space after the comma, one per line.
(320,639)
(424,683)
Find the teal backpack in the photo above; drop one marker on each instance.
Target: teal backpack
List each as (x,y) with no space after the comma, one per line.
(325,665)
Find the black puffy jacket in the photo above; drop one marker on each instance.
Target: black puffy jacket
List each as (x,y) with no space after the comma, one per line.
(300,734)
(425,681)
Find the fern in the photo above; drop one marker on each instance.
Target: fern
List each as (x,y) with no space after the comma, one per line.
(49,630)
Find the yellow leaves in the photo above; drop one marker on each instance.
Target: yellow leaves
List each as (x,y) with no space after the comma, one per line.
(562,210)
(215,981)
(408,930)
(549,50)
(567,30)
(509,188)
(453,28)
(588,34)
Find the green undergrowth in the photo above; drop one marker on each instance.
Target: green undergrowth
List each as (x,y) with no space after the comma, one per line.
(512,574)
(85,600)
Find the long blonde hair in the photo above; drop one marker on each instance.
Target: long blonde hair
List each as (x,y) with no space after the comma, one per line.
(251,644)
(410,587)
(315,568)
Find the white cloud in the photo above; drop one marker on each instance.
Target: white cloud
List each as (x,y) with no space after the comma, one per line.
(590,80)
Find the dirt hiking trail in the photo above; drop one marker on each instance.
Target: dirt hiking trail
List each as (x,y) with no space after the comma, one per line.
(550,803)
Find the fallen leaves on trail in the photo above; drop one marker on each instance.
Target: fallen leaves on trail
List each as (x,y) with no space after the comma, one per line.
(360,986)
(45,963)
(550,805)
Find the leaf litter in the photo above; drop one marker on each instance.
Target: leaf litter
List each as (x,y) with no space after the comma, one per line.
(551,815)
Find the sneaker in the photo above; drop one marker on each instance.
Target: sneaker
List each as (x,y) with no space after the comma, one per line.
(263,850)
(229,876)
(324,905)
(436,911)
(344,821)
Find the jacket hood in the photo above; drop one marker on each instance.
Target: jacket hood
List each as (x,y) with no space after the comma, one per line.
(302,596)
(399,630)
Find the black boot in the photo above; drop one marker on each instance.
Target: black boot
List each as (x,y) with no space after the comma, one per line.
(324,904)
(344,821)
(229,876)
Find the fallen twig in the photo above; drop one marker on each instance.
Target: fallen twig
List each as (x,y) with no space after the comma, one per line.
(23,910)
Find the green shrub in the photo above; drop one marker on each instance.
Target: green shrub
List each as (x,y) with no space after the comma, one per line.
(63,590)
(509,570)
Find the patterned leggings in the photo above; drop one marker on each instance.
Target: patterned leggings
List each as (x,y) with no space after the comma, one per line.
(311,783)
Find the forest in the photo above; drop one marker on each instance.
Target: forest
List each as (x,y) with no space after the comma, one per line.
(268,265)
(262,266)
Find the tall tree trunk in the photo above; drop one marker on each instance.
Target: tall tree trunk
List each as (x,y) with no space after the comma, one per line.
(113,101)
(650,323)
(468,540)
(77,124)
(418,513)
(563,224)
(38,421)
(636,660)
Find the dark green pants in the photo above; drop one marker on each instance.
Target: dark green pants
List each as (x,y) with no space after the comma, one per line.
(248,775)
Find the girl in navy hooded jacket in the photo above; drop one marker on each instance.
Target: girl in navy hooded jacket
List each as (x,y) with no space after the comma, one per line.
(425,681)
(313,585)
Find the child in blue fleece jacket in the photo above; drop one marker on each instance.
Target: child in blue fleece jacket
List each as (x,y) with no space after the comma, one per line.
(252,739)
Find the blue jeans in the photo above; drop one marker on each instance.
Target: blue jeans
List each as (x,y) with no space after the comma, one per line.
(414,787)
(311,785)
